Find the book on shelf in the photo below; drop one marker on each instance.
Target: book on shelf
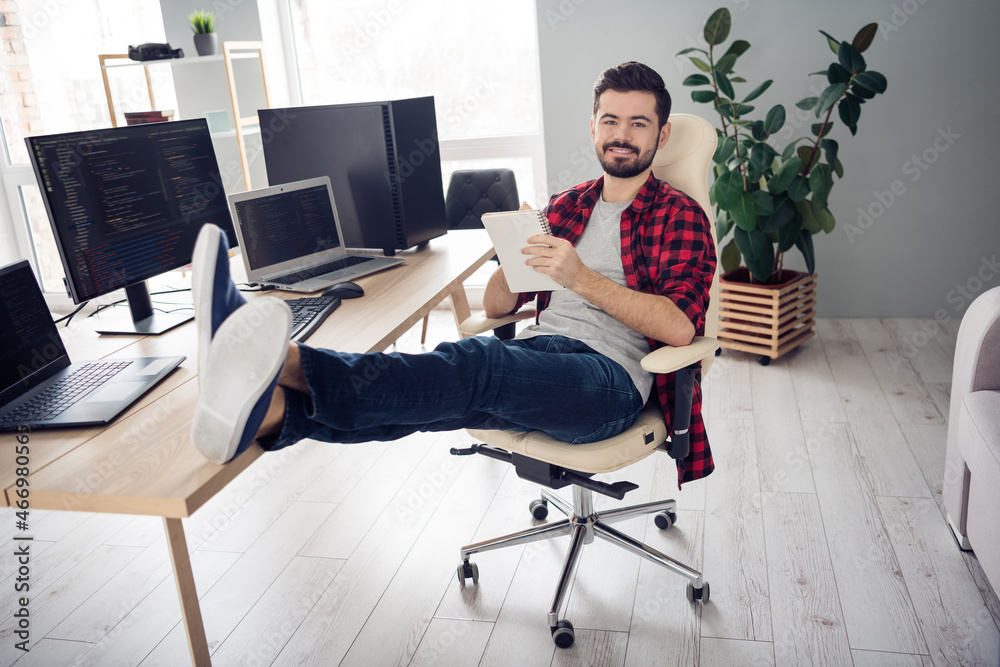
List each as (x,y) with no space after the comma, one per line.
(143,117)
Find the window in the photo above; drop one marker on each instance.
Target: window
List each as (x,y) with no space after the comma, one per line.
(50,81)
(478,59)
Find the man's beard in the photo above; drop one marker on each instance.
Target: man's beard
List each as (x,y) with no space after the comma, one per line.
(625,169)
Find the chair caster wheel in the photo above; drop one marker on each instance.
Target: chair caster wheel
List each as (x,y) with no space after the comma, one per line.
(539,509)
(763,361)
(563,634)
(468,570)
(697,593)
(718,351)
(665,519)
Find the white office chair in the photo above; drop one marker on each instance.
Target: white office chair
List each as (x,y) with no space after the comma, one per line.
(684,163)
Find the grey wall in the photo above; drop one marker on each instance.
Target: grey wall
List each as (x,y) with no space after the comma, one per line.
(925,251)
(233,21)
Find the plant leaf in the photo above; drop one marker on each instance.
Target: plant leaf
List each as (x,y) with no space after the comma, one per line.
(809,222)
(703,95)
(758,91)
(822,127)
(775,119)
(724,85)
(784,212)
(833,43)
(701,64)
(873,81)
(805,245)
(696,80)
(831,147)
(838,169)
(726,63)
(763,204)
(865,37)
(737,48)
(788,233)
(737,79)
(690,50)
(723,225)
(728,189)
(824,218)
(717,27)
(861,92)
(850,58)
(828,97)
(805,154)
(837,74)
(850,111)
(789,150)
(819,185)
(724,150)
(807,103)
(731,257)
(757,250)
(744,212)
(788,171)
(799,188)
(757,130)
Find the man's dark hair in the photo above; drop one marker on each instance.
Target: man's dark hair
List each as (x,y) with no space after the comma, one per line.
(631,76)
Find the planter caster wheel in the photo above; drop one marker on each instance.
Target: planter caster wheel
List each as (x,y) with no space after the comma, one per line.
(539,509)
(763,361)
(697,593)
(563,634)
(665,519)
(468,570)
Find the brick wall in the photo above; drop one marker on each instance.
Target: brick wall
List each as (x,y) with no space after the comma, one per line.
(18,102)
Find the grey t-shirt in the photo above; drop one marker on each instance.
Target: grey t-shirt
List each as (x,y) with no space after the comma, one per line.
(570,315)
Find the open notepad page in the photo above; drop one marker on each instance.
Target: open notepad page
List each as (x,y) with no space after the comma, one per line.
(510,231)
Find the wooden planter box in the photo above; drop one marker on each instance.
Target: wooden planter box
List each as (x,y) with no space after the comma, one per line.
(767,320)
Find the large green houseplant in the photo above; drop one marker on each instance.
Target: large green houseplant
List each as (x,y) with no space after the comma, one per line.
(773,201)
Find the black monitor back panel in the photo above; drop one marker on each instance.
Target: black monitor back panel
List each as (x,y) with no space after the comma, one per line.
(382,159)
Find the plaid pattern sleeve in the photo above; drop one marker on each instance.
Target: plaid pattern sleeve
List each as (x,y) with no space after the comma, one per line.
(672,254)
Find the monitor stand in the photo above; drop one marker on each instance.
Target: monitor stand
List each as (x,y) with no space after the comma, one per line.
(144,321)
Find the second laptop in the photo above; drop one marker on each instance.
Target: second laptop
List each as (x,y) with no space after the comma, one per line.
(291,238)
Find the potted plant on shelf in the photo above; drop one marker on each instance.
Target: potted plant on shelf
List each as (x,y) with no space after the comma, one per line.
(206,41)
(771,200)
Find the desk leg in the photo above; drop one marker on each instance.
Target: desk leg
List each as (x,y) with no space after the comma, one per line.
(184,577)
(460,306)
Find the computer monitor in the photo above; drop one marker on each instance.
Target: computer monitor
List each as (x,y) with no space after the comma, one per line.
(382,159)
(126,204)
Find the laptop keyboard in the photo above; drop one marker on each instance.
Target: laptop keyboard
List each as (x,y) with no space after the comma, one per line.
(308,313)
(64,394)
(306,274)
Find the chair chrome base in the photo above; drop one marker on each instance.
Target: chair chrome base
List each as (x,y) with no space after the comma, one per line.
(582,524)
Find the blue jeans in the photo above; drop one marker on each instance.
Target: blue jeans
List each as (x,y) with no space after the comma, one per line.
(548,383)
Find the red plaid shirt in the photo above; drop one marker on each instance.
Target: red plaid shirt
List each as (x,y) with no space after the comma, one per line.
(667,249)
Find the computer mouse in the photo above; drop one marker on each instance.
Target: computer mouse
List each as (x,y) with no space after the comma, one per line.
(345,290)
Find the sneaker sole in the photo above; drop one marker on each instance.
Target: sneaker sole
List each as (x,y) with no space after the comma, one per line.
(246,355)
(206,251)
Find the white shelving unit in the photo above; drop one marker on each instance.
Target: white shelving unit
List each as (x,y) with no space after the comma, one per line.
(234,81)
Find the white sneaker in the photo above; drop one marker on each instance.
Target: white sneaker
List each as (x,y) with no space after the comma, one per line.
(238,379)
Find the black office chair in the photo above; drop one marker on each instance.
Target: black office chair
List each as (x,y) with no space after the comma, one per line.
(471,193)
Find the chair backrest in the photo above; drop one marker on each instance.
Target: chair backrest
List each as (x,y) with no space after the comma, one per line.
(685,163)
(473,192)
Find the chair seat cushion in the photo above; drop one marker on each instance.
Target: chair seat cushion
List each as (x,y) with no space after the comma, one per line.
(632,445)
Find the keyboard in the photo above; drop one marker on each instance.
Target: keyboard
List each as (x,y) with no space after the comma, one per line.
(65,393)
(308,313)
(322,269)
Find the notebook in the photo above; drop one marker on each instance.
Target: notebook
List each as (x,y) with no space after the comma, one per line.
(40,386)
(510,231)
(291,238)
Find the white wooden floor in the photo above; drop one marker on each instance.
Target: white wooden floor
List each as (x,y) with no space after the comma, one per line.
(821,533)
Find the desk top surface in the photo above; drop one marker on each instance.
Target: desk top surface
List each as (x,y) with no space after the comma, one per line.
(143,463)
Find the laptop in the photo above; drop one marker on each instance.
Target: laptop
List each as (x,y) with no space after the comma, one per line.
(291,238)
(40,386)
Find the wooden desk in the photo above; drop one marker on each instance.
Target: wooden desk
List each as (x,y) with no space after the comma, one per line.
(143,463)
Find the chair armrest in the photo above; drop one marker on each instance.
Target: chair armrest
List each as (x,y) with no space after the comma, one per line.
(670,359)
(478,323)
